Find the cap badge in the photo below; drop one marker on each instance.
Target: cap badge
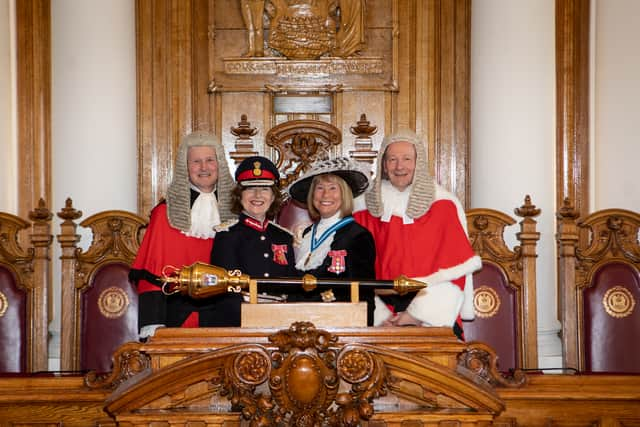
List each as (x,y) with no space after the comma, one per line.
(257,171)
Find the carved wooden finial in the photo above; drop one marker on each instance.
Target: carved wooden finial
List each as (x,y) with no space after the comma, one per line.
(567,210)
(68,213)
(363,145)
(363,128)
(244,130)
(41,213)
(244,142)
(528,209)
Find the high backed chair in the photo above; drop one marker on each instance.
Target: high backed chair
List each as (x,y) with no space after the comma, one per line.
(299,143)
(24,287)
(599,289)
(505,288)
(99,304)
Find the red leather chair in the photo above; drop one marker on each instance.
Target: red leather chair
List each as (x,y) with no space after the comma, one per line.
(99,304)
(504,290)
(599,269)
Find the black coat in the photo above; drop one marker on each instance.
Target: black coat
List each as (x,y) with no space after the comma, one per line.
(258,253)
(358,244)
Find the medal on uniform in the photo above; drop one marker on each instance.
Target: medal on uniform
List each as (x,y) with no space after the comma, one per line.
(337,261)
(279,254)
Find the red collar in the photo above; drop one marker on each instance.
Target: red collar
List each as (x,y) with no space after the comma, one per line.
(255,224)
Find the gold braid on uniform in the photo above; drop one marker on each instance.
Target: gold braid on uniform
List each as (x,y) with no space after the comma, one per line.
(423,187)
(179,191)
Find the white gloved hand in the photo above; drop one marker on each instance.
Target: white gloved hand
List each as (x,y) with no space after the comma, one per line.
(148,331)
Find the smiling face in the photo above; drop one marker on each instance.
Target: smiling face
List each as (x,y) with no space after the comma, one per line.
(203,168)
(400,164)
(327,195)
(256,201)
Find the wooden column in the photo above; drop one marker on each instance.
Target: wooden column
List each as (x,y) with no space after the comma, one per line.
(172,78)
(572,104)
(443,106)
(33,26)
(528,237)
(70,337)
(39,304)
(567,238)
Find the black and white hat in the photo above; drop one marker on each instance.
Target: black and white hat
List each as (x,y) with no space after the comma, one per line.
(352,173)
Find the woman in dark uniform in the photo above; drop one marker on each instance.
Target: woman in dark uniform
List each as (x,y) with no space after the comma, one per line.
(253,243)
(335,246)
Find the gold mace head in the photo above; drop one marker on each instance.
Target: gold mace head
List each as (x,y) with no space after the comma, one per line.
(402,285)
(201,280)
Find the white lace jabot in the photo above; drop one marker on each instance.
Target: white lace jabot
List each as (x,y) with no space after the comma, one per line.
(204,216)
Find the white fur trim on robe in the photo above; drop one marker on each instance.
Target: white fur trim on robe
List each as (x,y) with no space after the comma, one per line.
(445,276)
(467,311)
(381,312)
(437,304)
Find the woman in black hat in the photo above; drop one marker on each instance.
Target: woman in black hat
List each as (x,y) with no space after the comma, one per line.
(334,246)
(253,243)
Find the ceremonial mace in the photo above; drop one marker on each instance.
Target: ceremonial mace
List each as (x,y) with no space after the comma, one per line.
(202,280)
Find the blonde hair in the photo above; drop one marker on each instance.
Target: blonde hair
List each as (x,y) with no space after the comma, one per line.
(346,207)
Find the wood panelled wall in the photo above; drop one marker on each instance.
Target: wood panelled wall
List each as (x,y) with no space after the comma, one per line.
(177,54)
(175,57)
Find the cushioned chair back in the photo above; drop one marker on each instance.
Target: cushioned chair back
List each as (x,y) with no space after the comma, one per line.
(497,316)
(612,320)
(110,315)
(13,325)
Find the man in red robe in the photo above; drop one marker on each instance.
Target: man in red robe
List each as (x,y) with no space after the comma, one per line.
(181,232)
(419,231)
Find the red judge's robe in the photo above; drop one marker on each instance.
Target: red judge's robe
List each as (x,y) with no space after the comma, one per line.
(433,248)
